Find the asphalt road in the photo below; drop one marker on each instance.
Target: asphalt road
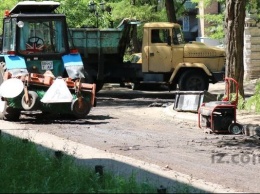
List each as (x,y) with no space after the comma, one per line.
(137,124)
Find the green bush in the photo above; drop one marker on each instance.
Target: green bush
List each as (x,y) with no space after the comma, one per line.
(253,103)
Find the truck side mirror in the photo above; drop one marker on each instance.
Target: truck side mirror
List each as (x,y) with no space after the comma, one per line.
(169,40)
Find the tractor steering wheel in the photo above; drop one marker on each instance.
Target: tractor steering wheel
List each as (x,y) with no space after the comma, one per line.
(35,44)
(35,39)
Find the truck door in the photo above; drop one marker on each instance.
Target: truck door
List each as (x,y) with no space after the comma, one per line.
(159,52)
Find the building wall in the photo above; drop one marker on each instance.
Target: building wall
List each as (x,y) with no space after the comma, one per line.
(251,48)
(213,8)
(190,22)
(194,28)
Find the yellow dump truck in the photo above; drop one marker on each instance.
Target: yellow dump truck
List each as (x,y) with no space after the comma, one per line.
(166,58)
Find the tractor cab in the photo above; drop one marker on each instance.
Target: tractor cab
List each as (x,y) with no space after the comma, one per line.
(35,32)
(38,65)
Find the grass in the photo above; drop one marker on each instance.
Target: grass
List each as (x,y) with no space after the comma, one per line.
(25,169)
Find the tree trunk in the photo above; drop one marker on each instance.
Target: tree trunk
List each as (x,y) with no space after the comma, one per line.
(170,10)
(234,38)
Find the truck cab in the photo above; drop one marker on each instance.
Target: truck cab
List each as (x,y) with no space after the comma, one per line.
(167,58)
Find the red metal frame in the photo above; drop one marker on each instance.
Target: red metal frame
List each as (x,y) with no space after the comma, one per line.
(227,90)
(226,103)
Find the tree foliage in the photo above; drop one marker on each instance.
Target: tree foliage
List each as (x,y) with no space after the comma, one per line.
(216,30)
(76,12)
(253,103)
(144,12)
(5,5)
(229,23)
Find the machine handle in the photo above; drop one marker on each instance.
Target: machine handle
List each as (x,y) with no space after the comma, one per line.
(227,88)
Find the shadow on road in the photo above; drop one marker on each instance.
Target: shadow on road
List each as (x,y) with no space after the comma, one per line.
(39,118)
(122,92)
(136,102)
(172,182)
(119,96)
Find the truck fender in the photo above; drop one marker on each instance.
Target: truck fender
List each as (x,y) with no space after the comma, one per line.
(189,65)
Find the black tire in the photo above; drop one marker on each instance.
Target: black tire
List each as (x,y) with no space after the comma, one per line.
(235,128)
(11,114)
(172,87)
(136,86)
(80,113)
(193,80)
(99,86)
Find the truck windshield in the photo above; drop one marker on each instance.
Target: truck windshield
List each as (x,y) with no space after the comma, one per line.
(9,35)
(41,37)
(177,36)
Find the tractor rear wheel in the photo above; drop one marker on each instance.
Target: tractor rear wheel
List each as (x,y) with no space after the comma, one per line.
(10,114)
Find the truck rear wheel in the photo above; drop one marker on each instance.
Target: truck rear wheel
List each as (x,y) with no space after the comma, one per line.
(193,80)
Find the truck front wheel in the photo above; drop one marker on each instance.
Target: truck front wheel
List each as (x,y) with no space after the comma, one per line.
(193,80)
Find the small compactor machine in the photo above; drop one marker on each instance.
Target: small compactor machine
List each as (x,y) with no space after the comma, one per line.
(220,116)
